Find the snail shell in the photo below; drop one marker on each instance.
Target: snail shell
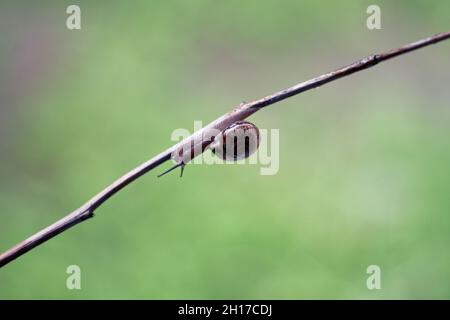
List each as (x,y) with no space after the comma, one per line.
(238,141)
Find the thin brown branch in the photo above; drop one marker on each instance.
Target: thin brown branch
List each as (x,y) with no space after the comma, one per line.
(239,113)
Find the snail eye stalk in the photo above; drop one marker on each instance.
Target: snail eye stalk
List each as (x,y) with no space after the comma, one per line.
(181,164)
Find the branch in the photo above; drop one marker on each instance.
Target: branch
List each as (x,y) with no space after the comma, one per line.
(239,113)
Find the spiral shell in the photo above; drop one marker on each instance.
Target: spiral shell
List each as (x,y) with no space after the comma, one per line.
(238,141)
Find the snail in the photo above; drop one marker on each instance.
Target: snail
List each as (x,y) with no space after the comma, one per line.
(238,141)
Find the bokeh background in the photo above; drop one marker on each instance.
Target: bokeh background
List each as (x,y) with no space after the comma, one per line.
(364,173)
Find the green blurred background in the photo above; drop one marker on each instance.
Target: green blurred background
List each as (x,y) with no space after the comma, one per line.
(364,173)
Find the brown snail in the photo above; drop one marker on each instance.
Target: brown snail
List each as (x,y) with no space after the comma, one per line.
(238,141)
